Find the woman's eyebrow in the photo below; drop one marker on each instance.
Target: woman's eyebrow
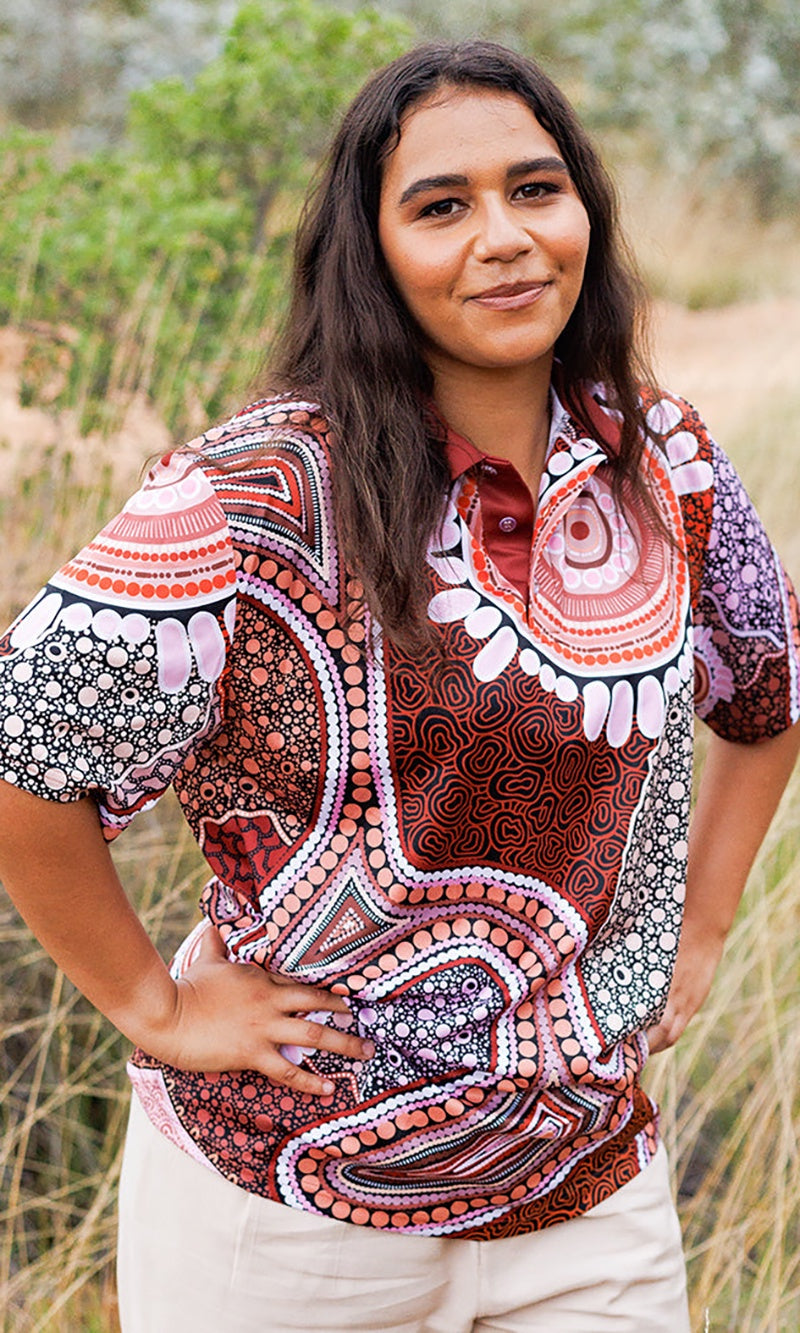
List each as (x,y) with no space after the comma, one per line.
(533,164)
(430,183)
(523,168)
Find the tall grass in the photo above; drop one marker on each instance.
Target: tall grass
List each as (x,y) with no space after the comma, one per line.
(730,1092)
(703,245)
(63,1102)
(730,1099)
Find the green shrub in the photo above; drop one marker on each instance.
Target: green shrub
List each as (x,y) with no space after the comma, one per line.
(169,256)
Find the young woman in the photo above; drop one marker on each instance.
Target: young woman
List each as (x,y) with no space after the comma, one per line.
(417,640)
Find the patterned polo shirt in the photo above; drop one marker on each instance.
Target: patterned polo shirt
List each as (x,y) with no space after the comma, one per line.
(487,860)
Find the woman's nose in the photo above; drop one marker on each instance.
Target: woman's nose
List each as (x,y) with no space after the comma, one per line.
(501,232)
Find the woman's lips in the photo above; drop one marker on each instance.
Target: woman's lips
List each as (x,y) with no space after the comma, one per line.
(510,297)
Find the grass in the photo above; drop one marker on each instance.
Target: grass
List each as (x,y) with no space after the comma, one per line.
(700,243)
(63,1102)
(730,1099)
(730,1092)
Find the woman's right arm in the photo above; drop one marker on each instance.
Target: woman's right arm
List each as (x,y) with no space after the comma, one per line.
(57,869)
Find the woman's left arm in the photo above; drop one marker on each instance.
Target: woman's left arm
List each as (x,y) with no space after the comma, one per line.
(739,792)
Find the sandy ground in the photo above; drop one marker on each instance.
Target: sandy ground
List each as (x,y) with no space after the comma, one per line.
(722,360)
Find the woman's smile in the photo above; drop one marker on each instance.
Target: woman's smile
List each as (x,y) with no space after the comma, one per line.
(510,296)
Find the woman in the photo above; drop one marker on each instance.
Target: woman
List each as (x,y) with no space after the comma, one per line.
(415,639)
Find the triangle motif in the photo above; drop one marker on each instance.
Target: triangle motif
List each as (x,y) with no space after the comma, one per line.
(342,923)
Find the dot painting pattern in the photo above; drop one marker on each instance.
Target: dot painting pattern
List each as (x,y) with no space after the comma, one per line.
(488,865)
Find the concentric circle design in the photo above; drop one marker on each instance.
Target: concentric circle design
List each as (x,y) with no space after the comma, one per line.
(611,590)
(169,546)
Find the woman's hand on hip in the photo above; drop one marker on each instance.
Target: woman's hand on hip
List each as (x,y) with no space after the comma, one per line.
(232,1016)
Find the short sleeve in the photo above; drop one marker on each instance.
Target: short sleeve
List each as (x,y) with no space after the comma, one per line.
(113,674)
(745,613)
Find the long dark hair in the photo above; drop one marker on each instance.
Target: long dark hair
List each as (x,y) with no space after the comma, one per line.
(349,343)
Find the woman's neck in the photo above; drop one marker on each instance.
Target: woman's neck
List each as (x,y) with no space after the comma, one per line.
(504,413)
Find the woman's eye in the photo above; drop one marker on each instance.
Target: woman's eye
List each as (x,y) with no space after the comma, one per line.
(538,189)
(440,208)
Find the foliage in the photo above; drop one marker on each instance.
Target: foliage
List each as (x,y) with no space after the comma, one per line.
(73,63)
(258,114)
(703,81)
(169,256)
(714,81)
(687,83)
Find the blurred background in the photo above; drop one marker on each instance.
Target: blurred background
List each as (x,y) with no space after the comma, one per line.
(153,155)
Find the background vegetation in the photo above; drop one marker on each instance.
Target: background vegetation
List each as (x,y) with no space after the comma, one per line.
(152,158)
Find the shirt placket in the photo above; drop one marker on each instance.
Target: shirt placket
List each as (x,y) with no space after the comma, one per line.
(514,532)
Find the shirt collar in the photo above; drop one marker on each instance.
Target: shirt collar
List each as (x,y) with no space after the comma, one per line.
(462,454)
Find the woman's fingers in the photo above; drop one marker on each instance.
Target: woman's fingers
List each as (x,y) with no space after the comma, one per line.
(293,997)
(234,1016)
(280,1070)
(306,1034)
(298,996)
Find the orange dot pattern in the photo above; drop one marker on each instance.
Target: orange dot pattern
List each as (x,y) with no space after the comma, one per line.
(169,547)
(269,751)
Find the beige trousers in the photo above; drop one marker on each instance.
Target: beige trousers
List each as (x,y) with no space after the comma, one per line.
(199,1255)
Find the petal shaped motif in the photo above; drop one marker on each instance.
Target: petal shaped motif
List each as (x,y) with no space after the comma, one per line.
(483,622)
(547,678)
(664,416)
(208,643)
(566,689)
(452,604)
(495,656)
(650,707)
(620,714)
(692,477)
(38,619)
(174,655)
(596,699)
(682,447)
(230,618)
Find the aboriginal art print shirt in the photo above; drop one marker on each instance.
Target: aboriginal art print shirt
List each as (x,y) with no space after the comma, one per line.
(489,862)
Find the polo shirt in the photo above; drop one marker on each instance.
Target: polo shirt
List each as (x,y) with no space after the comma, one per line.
(488,860)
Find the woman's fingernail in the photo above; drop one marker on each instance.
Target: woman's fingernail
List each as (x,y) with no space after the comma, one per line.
(368,1047)
(328,1089)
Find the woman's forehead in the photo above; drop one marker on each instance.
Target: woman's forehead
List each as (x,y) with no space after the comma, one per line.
(455,102)
(456,128)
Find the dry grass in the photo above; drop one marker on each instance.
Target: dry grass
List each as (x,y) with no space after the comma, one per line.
(63,1103)
(731,1091)
(702,246)
(730,1098)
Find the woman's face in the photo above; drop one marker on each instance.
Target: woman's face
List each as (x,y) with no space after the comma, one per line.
(483,231)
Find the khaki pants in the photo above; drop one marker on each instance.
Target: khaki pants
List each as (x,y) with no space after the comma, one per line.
(199,1255)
